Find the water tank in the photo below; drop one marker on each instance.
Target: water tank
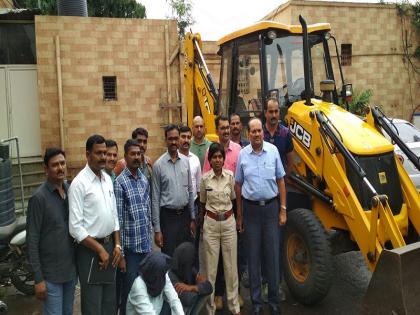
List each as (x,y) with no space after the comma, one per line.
(7,198)
(72,7)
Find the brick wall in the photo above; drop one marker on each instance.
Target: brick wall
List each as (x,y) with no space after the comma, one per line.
(374,30)
(133,50)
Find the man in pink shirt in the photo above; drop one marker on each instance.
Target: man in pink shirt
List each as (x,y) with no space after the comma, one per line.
(231,148)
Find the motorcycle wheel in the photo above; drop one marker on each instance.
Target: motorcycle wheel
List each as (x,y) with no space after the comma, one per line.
(22,277)
(23,281)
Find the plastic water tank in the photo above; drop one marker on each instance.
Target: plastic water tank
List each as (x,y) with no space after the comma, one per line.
(72,7)
(7,198)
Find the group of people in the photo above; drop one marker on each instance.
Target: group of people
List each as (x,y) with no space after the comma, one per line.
(215,210)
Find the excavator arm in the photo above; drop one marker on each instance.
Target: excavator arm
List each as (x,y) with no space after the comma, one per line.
(199,86)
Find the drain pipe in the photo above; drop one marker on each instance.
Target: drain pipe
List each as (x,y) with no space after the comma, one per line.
(22,195)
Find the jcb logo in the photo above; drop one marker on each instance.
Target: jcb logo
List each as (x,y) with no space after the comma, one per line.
(300,133)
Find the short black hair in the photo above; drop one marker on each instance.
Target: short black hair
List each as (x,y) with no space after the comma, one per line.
(139,131)
(94,139)
(233,115)
(111,143)
(214,148)
(50,153)
(184,128)
(274,99)
(170,127)
(130,143)
(220,118)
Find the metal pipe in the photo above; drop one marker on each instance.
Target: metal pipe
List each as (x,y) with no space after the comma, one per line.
(311,189)
(308,90)
(60,91)
(212,85)
(22,194)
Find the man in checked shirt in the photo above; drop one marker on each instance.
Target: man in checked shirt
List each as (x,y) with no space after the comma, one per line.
(132,194)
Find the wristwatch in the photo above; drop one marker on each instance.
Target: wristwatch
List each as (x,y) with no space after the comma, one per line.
(118,246)
(283,207)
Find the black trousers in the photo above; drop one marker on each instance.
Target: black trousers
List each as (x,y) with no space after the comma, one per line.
(175,228)
(95,299)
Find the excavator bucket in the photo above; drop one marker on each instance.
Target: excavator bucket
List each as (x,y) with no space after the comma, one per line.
(395,285)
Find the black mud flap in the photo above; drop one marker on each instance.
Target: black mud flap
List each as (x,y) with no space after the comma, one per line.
(395,284)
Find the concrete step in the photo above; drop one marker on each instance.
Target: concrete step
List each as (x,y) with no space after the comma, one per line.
(32,164)
(29,177)
(28,188)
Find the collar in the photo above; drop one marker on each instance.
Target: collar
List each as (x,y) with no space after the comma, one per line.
(52,188)
(250,150)
(277,131)
(169,159)
(213,175)
(189,154)
(91,175)
(126,172)
(205,140)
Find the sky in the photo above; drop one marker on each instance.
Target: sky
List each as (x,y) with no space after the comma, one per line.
(216,18)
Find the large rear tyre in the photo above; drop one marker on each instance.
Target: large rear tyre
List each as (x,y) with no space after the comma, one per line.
(307,258)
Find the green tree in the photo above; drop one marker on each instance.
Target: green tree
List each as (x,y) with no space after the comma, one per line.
(360,101)
(98,8)
(182,13)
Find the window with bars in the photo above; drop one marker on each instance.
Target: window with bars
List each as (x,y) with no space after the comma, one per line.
(346,54)
(110,88)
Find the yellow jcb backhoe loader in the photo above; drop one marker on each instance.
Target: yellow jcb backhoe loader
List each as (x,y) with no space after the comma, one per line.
(348,191)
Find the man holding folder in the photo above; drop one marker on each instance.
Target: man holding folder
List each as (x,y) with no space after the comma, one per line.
(93,222)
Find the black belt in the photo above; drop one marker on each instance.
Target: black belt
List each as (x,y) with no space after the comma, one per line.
(261,202)
(175,211)
(104,240)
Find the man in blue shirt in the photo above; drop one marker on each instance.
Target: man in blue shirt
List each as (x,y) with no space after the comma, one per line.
(132,194)
(277,134)
(259,181)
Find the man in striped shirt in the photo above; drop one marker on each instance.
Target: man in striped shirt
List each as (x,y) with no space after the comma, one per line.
(132,194)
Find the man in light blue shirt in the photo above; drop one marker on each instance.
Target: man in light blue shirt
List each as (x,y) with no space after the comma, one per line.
(261,190)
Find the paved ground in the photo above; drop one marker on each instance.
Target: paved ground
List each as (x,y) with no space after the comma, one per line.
(351,278)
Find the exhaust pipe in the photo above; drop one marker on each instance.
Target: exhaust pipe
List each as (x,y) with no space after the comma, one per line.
(308,89)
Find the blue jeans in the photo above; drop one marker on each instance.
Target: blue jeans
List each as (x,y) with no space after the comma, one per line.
(60,298)
(132,261)
(262,243)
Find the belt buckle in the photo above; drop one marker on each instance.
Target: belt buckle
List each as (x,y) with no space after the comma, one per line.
(107,239)
(178,211)
(261,203)
(220,216)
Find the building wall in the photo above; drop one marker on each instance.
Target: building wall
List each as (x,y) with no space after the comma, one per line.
(378,63)
(133,50)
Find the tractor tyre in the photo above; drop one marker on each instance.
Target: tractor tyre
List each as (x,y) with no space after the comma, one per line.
(307,258)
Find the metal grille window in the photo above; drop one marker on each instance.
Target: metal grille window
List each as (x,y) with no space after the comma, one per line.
(110,88)
(346,54)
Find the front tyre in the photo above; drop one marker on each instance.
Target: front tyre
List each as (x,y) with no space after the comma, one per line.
(307,257)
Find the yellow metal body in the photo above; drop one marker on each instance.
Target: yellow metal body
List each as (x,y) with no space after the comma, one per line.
(372,228)
(196,87)
(265,25)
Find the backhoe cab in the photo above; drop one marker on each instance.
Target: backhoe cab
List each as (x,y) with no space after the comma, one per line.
(349,192)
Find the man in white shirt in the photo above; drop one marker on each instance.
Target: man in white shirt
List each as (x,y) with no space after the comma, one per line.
(93,222)
(185,135)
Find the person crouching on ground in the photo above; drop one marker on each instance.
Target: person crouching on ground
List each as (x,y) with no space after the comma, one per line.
(152,292)
(219,227)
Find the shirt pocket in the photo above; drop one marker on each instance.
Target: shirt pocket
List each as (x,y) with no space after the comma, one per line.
(269,172)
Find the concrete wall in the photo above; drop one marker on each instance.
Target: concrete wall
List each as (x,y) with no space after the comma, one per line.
(374,30)
(133,50)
